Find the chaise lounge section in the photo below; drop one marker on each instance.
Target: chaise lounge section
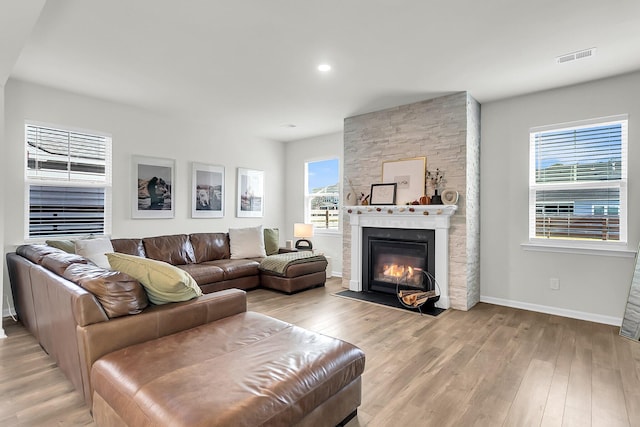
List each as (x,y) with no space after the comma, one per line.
(246,369)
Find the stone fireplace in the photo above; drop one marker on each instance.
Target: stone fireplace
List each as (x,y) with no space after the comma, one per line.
(445,130)
(398,238)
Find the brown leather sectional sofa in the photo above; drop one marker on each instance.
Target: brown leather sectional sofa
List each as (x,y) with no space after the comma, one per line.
(206,256)
(99,311)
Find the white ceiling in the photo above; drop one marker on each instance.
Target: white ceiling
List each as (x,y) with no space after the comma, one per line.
(252,63)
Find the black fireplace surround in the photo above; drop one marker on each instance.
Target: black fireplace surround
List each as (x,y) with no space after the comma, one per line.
(389,253)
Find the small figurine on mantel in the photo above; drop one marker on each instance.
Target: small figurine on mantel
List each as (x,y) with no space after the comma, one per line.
(437,180)
(355,198)
(359,199)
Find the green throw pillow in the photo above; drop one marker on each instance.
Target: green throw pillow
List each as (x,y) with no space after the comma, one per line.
(163,282)
(271,241)
(65,245)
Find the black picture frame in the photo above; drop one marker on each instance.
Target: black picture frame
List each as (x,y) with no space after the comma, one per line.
(383,194)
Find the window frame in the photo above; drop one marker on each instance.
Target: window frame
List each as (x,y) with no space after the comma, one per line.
(574,244)
(307,197)
(68,182)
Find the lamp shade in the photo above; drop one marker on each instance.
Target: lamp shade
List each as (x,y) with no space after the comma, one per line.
(302,231)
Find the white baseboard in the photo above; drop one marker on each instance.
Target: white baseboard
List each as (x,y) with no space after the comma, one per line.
(573,314)
(336,274)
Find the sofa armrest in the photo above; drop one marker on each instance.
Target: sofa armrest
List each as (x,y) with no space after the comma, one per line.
(98,339)
(286,250)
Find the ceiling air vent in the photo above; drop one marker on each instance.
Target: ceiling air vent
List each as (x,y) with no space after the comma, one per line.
(581,54)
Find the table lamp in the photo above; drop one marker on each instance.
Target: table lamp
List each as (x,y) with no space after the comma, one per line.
(303,232)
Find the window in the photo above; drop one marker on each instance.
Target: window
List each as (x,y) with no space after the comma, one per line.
(68,182)
(578,176)
(322,194)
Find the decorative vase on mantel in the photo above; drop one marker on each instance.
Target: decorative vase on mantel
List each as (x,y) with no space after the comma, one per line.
(436,199)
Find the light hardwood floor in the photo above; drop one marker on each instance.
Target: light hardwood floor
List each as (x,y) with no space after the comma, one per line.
(490,366)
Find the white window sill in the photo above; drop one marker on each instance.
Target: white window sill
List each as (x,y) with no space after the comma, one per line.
(576,248)
(325,232)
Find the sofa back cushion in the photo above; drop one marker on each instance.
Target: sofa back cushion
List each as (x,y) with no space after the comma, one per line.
(129,247)
(35,253)
(59,261)
(118,293)
(174,250)
(210,246)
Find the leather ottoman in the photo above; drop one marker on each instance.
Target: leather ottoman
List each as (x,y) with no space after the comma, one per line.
(244,370)
(296,277)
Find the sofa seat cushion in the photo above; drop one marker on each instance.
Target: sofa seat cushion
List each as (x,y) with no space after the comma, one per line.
(248,369)
(203,273)
(236,268)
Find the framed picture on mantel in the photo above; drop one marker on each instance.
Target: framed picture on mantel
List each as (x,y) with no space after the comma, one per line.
(408,174)
(383,194)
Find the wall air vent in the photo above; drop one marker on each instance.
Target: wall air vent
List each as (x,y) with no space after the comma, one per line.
(581,54)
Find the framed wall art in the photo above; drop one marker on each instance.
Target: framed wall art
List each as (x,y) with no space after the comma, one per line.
(383,194)
(207,191)
(408,174)
(250,202)
(152,187)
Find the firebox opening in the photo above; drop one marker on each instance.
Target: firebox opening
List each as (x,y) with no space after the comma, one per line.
(395,256)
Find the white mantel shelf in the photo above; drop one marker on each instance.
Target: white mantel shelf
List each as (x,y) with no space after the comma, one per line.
(436,214)
(426,217)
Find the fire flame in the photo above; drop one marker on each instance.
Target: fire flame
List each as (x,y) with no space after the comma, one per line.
(396,270)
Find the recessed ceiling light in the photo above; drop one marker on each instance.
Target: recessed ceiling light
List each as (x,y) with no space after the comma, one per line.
(324,67)
(289,125)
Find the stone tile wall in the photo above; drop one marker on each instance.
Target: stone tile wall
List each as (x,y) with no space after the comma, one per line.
(447,131)
(473,202)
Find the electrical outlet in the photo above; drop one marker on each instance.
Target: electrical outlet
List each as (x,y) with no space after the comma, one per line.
(554,283)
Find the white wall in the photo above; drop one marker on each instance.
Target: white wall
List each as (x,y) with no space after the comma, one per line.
(3,165)
(141,132)
(591,287)
(297,153)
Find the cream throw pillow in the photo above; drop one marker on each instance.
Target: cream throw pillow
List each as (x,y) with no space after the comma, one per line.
(163,282)
(94,250)
(247,243)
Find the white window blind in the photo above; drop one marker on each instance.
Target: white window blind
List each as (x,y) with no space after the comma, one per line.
(578,179)
(68,182)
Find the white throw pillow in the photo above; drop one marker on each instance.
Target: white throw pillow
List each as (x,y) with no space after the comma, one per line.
(94,250)
(247,242)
